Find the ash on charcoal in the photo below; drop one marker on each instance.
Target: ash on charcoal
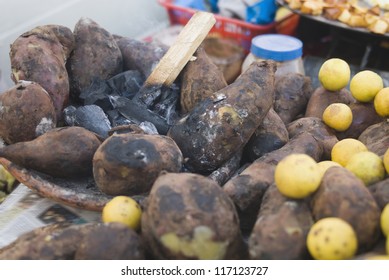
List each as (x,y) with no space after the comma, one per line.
(127,83)
(148,128)
(91,117)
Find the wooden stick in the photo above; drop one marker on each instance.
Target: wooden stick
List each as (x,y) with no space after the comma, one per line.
(187,42)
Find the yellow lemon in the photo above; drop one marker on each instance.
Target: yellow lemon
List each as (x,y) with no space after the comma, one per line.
(325,164)
(381,102)
(334,74)
(386,160)
(344,149)
(365,85)
(297,176)
(122,209)
(384,220)
(367,166)
(332,239)
(338,116)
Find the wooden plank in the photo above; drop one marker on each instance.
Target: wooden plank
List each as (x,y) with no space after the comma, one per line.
(187,42)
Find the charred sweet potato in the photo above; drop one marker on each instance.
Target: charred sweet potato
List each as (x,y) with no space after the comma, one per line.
(141,56)
(201,78)
(269,136)
(219,127)
(40,55)
(292,93)
(65,152)
(281,228)
(128,164)
(95,55)
(91,241)
(376,137)
(341,194)
(247,189)
(187,216)
(315,126)
(321,98)
(380,192)
(26,112)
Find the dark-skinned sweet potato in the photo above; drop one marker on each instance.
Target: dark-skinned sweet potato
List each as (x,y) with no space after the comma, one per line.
(376,137)
(95,55)
(65,152)
(128,164)
(341,194)
(281,228)
(188,216)
(219,127)
(40,55)
(26,112)
(201,78)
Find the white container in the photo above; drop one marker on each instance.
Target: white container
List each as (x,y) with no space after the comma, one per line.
(284,49)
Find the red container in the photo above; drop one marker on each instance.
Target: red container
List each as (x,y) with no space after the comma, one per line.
(238,30)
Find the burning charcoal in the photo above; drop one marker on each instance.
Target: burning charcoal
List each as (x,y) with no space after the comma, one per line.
(91,117)
(127,83)
(98,93)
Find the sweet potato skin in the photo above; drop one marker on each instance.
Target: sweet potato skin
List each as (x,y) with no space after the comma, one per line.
(376,137)
(95,55)
(40,55)
(217,128)
(64,152)
(187,216)
(128,164)
(281,228)
(341,194)
(27,111)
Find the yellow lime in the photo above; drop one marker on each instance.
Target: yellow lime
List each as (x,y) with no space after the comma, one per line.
(385,220)
(325,164)
(344,149)
(338,116)
(332,239)
(381,102)
(297,176)
(365,85)
(367,166)
(334,74)
(122,209)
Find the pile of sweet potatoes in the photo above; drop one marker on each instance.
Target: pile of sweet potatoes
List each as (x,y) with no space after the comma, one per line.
(208,182)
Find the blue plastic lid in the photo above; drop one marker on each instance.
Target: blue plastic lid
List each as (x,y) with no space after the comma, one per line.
(277,47)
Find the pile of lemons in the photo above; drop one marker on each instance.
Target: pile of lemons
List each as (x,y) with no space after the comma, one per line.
(297,176)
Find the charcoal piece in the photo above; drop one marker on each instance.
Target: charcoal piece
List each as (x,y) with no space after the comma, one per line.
(138,112)
(98,93)
(91,117)
(167,106)
(127,83)
(117,119)
(148,127)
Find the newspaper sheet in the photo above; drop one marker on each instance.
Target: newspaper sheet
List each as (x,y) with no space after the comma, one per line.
(24,210)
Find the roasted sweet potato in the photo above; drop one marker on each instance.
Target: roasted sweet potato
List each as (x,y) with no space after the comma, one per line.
(201,78)
(91,241)
(269,136)
(321,98)
(376,137)
(380,192)
(315,126)
(246,189)
(141,56)
(341,194)
(65,152)
(95,55)
(26,112)
(188,216)
(217,128)
(292,93)
(40,55)
(281,228)
(128,164)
